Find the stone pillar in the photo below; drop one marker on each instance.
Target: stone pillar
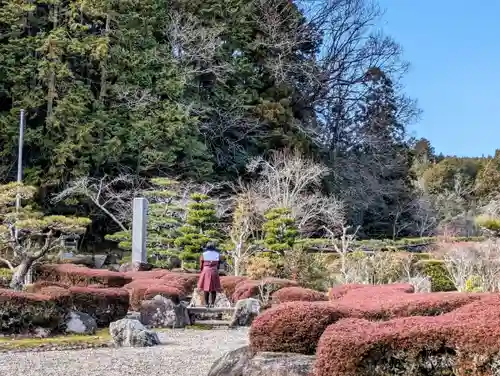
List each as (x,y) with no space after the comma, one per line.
(139,230)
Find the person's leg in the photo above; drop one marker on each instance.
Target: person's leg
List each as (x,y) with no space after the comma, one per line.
(213,295)
(206,296)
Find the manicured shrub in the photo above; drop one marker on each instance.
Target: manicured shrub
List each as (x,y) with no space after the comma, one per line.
(104,304)
(359,290)
(82,276)
(251,288)
(143,289)
(453,344)
(294,327)
(298,294)
(436,270)
(152,274)
(229,284)
(278,328)
(22,312)
(337,292)
(166,291)
(388,306)
(186,282)
(38,285)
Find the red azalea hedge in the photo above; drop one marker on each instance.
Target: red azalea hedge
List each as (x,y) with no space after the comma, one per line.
(143,289)
(104,304)
(81,276)
(22,312)
(388,306)
(152,274)
(229,284)
(38,285)
(463,342)
(293,327)
(358,290)
(186,282)
(337,292)
(298,294)
(277,329)
(250,288)
(169,292)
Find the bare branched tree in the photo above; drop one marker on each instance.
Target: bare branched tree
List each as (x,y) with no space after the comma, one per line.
(287,180)
(343,250)
(113,196)
(460,263)
(246,223)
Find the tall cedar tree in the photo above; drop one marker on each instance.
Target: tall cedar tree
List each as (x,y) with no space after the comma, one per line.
(385,137)
(101,89)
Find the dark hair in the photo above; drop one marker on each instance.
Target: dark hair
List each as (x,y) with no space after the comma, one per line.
(211,244)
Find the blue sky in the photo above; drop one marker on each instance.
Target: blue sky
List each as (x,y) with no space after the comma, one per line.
(454,50)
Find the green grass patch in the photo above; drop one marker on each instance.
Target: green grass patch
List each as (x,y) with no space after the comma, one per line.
(10,343)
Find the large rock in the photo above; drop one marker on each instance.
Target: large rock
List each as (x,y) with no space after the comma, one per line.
(80,323)
(241,362)
(245,312)
(131,333)
(161,312)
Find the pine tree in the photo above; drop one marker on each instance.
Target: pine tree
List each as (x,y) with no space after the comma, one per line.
(280,230)
(199,229)
(28,233)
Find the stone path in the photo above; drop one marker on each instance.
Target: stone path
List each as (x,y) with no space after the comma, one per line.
(185,352)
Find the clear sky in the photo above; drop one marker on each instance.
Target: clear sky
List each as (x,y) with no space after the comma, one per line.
(454,50)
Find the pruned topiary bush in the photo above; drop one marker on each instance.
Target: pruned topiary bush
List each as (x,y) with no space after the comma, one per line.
(298,294)
(348,290)
(169,292)
(144,289)
(38,285)
(463,342)
(387,306)
(294,327)
(186,282)
(436,270)
(104,304)
(229,283)
(22,312)
(252,288)
(81,276)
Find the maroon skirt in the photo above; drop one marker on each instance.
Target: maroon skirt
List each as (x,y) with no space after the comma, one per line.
(209,278)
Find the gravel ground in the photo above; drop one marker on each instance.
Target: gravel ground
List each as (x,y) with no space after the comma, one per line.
(183,353)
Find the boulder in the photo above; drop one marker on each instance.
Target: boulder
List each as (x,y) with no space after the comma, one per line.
(136,267)
(245,312)
(161,312)
(242,362)
(80,323)
(131,333)
(132,315)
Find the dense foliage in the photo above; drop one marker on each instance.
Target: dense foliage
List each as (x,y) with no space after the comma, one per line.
(197,89)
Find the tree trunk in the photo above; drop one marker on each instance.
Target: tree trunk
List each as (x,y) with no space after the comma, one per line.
(17,281)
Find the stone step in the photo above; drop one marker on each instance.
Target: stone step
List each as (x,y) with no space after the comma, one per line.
(213,322)
(210,310)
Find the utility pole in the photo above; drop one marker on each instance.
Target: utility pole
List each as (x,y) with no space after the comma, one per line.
(20,158)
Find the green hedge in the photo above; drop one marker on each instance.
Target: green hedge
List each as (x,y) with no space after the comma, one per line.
(435,269)
(387,244)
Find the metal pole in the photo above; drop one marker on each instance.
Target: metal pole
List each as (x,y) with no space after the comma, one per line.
(20,158)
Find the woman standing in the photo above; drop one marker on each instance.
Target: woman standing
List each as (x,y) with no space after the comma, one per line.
(209,280)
